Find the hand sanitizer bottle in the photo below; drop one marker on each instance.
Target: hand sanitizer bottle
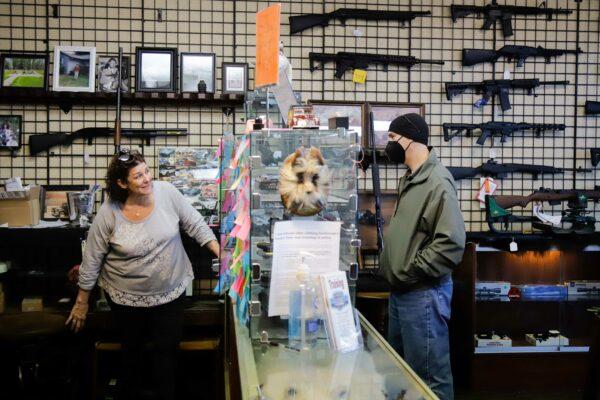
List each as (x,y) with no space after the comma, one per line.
(303,323)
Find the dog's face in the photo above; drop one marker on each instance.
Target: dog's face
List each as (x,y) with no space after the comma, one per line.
(304,182)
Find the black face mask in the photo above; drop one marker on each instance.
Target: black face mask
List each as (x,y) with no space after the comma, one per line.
(395,152)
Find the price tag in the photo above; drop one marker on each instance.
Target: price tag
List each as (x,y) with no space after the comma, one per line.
(86,157)
(492,152)
(359,76)
(513,246)
(506,74)
(357,32)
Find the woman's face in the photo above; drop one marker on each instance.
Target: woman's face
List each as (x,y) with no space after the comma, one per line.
(139,181)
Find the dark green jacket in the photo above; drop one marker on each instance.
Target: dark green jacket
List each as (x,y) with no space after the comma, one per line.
(425,239)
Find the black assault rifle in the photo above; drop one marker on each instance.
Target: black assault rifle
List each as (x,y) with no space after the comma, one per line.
(298,23)
(345,61)
(511,52)
(493,128)
(39,143)
(494,12)
(497,87)
(495,170)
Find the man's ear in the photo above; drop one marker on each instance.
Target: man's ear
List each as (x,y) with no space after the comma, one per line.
(121,184)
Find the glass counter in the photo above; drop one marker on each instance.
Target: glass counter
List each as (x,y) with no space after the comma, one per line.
(269,372)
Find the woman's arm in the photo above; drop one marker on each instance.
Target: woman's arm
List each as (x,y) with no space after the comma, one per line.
(191,221)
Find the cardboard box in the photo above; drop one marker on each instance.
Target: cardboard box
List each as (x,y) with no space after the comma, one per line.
(31,304)
(559,340)
(494,341)
(583,288)
(21,211)
(492,288)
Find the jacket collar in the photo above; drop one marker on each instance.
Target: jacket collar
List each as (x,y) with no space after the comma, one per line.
(423,172)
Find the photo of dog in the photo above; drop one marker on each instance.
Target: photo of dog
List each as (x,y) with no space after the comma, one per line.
(304,182)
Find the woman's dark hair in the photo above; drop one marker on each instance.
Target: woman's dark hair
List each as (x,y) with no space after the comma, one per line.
(118,169)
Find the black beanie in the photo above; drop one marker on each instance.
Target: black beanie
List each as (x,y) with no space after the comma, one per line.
(411,126)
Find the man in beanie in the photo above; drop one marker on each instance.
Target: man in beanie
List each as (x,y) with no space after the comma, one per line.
(425,240)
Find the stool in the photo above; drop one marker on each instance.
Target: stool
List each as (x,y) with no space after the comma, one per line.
(26,336)
(206,344)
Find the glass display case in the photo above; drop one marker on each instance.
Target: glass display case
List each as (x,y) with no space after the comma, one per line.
(268,150)
(374,372)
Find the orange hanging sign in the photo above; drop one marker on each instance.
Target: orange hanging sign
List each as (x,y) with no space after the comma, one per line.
(268,22)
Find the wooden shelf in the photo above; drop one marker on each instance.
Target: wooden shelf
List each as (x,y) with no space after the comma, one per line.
(66,100)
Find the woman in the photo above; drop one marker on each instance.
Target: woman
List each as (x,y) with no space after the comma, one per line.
(134,250)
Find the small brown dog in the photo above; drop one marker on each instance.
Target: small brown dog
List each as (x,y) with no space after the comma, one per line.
(304,182)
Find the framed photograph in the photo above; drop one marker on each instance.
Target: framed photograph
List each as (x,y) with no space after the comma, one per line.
(74,69)
(24,71)
(55,201)
(155,69)
(355,111)
(10,131)
(108,71)
(384,114)
(196,67)
(234,78)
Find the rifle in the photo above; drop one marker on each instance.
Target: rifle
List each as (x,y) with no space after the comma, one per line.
(376,185)
(592,107)
(298,23)
(345,61)
(499,87)
(495,170)
(492,128)
(511,52)
(39,143)
(494,12)
(496,209)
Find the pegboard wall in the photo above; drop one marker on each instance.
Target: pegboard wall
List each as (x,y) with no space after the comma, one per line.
(227,29)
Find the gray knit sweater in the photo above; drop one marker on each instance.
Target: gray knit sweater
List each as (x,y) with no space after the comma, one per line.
(143,263)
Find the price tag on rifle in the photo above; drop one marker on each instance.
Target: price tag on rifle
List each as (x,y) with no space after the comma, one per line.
(488,187)
(359,76)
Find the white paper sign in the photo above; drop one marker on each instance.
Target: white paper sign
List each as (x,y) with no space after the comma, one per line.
(319,238)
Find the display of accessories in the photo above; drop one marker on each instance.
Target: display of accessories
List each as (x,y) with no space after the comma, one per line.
(302,117)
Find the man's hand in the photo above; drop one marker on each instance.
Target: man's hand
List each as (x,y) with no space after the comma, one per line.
(213,246)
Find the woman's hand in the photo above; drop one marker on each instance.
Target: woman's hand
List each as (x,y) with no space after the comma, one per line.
(213,246)
(79,311)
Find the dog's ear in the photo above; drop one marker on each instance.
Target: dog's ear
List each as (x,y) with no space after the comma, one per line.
(291,159)
(316,154)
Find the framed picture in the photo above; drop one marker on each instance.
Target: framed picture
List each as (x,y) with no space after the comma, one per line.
(74,69)
(55,201)
(24,71)
(234,77)
(196,67)
(108,73)
(355,111)
(10,131)
(155,69)
(384,114)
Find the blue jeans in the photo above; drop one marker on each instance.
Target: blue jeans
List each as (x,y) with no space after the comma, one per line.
(418,331)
